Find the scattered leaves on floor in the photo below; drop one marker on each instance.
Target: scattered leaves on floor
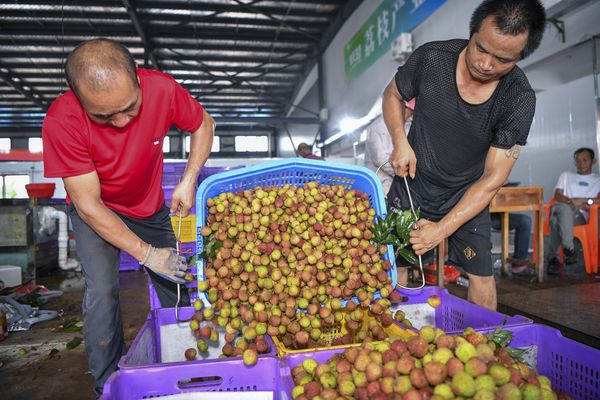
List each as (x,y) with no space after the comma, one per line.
(74,343)
(72,325)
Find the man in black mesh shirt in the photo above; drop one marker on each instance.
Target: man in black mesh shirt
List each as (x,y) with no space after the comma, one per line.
(473,112)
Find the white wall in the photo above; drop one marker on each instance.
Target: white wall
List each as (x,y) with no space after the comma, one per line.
(565,119)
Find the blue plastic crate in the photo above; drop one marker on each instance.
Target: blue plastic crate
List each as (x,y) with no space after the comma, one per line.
(295,171)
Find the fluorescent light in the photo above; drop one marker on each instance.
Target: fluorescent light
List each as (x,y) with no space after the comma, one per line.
(349,124)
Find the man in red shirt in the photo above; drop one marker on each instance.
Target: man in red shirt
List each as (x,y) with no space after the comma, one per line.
(104,139)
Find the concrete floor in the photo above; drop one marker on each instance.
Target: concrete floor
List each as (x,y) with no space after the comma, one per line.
(570,302)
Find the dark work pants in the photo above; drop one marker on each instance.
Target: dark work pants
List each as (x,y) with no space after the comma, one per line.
(522,225)
(103,329)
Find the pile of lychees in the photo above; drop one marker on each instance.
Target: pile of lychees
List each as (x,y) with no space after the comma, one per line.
(432,365)
(281,261)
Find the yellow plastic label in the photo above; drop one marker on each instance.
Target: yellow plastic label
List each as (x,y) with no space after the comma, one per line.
(188,228)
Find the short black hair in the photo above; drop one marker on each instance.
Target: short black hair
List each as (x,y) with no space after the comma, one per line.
(582,149)
(513,17)
(90,59)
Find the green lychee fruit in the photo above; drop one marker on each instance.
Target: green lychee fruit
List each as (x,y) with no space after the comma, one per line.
(544,382)
(427,333)
(485,382)
(530,392)
(463,384)
(402,384)
(484,394)
(500,374)
(297,391)
(443,390)
(465,351)
(309,365)
(548,394)
(442,355)
(202,345)
(346,388)
(328,380)
(250,357)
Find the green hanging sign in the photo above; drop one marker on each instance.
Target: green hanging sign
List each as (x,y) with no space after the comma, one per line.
(375,36)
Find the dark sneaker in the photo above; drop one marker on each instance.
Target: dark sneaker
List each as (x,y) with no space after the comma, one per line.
(570,256)
(554,266)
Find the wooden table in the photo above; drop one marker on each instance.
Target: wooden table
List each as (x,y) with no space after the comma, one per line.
(521,198)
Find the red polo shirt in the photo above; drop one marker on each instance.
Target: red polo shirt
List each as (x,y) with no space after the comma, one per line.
(128,160)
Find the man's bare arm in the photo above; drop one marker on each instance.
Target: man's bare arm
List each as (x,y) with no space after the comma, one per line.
(403,158)
(498,164)
(84,191)
(200,145)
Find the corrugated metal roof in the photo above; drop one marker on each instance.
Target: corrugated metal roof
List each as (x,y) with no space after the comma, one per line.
(239,58)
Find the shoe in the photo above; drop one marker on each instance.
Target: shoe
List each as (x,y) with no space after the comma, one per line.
(554,266)
(570,256)
(527,271)
(518,262)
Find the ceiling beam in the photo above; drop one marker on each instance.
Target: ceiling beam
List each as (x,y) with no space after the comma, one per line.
(9,42)
(130,7)
(327,37)
(218,8)
(280,21)
(27,92)
(310,25)
(91,30)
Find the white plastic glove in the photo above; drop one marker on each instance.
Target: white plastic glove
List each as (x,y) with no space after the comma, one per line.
(166,263)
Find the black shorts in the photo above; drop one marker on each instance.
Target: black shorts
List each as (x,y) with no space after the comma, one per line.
(470,247)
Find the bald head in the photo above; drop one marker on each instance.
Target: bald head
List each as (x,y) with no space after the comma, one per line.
(99,64)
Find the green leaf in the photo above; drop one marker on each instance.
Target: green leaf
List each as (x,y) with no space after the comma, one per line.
(408,255)
(74,343)
(516,354)
(73,326)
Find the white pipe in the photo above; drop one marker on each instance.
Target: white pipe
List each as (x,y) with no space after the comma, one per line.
(47,215)
(63,242)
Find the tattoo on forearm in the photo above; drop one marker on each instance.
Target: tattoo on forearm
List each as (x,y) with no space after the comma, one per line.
(513,152)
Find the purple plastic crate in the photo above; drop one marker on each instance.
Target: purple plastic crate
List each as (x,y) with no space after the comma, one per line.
(572,367)
(172,173)
(229,375)
(153,296)
(127,262)
(158,342)
(454,314)
(205,172)
(174,167)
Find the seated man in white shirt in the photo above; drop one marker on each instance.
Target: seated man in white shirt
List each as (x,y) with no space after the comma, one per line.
(574,194)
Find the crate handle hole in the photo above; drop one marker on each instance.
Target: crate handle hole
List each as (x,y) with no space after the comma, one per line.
(201,381)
